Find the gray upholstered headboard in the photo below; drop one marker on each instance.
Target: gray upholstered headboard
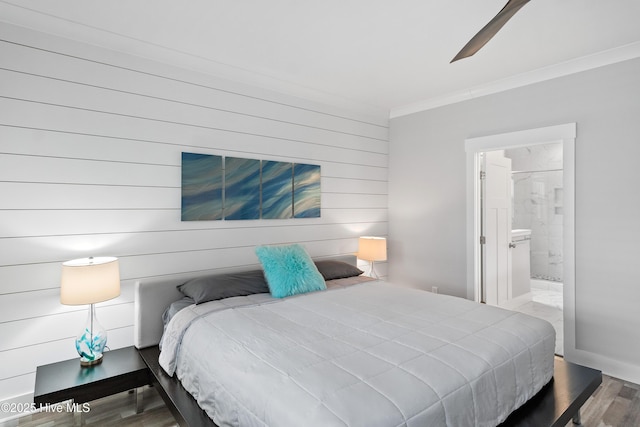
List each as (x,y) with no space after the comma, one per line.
(152,297)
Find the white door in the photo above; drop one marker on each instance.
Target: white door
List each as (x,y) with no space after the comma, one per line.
(496,218)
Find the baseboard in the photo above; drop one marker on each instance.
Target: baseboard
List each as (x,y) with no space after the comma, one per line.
(612,367)
(23,402)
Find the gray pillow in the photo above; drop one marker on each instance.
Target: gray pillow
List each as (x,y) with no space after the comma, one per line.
(175,307)
(332,269)
(219,286)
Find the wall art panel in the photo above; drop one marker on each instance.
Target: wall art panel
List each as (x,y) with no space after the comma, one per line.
(201,187)
(306,191)
(277,190)
(241,188)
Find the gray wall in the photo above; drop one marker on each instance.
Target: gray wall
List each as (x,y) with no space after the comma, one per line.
(90,152)
(427,196)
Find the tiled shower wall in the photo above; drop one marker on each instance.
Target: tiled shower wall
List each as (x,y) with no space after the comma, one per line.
(537,205)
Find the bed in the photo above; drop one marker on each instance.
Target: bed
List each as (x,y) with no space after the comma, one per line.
(360,352)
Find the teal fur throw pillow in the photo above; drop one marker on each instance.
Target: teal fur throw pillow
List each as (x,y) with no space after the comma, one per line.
(289,270)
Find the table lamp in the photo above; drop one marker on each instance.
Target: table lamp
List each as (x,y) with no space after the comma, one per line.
(89,281)
(372,249)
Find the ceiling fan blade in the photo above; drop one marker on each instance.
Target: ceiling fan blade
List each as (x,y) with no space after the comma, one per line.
(490,30)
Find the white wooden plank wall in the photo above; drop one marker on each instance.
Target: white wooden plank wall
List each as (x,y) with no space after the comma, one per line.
(90,144)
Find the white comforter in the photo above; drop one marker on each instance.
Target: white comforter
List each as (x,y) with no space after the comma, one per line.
(368,355)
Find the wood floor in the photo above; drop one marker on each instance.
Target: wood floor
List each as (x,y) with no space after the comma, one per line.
(615,403)
(117,410)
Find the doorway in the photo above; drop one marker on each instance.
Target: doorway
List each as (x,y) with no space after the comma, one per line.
(476,273)
(521,202)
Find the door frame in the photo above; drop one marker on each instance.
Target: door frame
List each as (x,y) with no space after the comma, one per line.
(565,133)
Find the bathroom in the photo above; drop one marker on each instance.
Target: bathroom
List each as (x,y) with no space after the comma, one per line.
(537,205)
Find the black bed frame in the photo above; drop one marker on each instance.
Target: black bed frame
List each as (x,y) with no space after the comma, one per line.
(555,405)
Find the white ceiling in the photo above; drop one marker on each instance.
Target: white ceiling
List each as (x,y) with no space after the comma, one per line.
(386,54)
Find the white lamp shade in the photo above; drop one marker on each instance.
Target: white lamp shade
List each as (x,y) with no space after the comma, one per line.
(89,280)
(372,248)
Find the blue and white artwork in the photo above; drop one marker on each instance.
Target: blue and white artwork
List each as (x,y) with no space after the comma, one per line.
(236,188)
(241,188)
(306,191)
(277,190)
(201,187)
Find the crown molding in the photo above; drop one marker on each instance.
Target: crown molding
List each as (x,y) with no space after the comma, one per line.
(600,59)
(22,16)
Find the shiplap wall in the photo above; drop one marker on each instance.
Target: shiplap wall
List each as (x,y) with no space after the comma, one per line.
(90,144)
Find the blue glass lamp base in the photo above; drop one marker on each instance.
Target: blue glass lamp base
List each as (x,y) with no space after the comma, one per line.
(91,341)
(372,271)
(87,362)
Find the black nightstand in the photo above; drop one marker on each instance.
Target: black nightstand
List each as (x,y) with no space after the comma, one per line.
(120,370)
